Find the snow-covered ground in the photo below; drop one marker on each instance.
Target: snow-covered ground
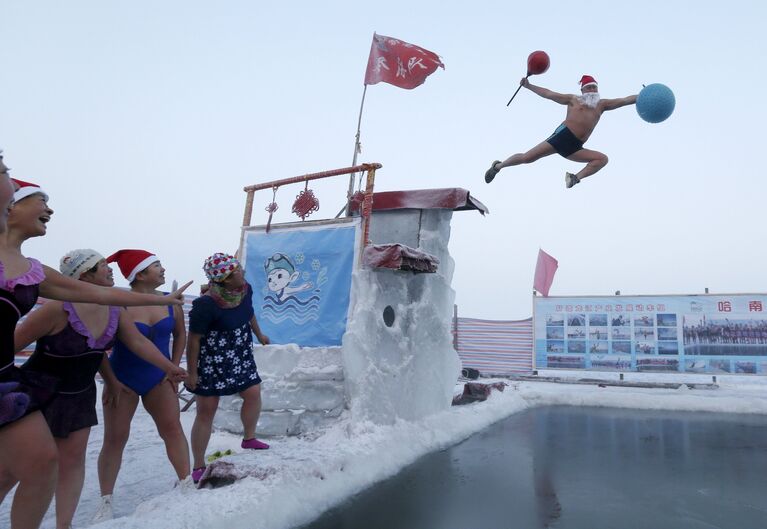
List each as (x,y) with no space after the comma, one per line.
(303,476)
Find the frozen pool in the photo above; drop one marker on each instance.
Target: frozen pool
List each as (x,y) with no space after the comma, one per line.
(579,468)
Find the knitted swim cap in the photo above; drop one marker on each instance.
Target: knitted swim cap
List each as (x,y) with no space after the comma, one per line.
(77,262)
(218,266)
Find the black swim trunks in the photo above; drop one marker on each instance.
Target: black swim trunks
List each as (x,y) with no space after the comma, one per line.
(564,141)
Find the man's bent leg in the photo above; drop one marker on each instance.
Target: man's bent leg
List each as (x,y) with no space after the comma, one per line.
(594,161)
(536,153)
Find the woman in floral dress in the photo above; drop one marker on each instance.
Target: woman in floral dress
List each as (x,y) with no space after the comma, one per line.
(220,354)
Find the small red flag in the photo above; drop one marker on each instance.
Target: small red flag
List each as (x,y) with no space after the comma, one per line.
(544,272)
(399,63)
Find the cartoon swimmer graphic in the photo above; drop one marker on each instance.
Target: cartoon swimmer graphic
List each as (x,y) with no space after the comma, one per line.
(280,273)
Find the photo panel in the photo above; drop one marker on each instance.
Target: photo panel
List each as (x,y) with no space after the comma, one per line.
(555,346)
(555,320)
(666,320)
(644,348)
(667,333)
(668,348)
(565,362)
(555,333)
(576,346)
(621,333)
(621,347)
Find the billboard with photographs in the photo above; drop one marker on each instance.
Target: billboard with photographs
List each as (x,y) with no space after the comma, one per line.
(696,334)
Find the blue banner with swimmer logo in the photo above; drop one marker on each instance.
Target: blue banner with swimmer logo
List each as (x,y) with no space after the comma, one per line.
(696,334)
(301,279)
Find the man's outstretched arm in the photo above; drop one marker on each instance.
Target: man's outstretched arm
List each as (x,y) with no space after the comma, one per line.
(562,99)
(612,104)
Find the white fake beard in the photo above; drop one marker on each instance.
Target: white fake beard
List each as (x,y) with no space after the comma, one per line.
(590,99)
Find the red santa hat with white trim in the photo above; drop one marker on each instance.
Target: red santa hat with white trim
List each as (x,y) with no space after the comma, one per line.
(587,80)
(26,189)
(131,262)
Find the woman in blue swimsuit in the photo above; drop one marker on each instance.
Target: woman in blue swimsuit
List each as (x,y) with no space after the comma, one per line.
(158,395)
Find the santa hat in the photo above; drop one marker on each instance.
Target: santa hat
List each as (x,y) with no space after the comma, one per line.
(77,262)
(587,80)
(27,189)
(131,262)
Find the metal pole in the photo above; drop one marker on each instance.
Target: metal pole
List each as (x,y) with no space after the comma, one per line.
(366,209)
(312,176)
(357,149)
(518,89)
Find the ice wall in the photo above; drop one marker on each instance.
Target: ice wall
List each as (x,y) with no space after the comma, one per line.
(407,369)
(302,388)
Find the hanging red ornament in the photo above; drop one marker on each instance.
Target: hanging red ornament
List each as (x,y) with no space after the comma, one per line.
(306,203)
(271,208)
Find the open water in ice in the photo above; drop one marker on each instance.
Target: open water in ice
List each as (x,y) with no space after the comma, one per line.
(579,468)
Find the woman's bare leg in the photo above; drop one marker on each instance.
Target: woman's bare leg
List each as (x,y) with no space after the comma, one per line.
(28,456)
(71,475)
(116,432)
(162,404)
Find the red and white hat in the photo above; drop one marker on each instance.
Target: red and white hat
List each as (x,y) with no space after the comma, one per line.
(587,80)
(131,262)
(26,189)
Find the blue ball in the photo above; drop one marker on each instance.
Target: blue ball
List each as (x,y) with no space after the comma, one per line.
(655,103)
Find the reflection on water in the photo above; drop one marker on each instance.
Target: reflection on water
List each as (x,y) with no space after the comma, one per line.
(579,468)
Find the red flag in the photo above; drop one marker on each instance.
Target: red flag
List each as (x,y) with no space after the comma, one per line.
(399,63)
(544,272)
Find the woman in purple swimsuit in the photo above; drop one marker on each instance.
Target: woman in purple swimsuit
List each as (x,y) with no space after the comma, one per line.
(72,340)
(145,274)
(33,466)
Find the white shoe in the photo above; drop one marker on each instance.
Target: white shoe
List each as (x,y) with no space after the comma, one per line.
(104,512)
(570,180)
(186,484)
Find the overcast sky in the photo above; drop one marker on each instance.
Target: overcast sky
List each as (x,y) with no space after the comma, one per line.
(144,120)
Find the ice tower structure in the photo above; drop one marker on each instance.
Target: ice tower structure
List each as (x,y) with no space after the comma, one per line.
(394,358)
(398,354)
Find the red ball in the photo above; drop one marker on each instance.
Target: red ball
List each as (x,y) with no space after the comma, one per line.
(537,63)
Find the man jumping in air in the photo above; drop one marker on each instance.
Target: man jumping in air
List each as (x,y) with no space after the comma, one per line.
(583,113)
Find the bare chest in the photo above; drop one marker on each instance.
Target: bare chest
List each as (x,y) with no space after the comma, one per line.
(583,113)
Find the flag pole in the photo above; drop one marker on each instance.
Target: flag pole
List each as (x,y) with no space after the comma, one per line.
(357,149)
